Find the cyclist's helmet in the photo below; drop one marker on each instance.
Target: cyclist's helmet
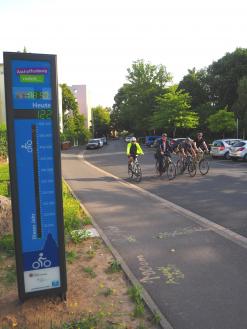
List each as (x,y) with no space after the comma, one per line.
(133,139)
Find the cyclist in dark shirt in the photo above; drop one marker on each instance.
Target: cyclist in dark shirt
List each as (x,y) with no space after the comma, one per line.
(187,148)
(164,149)
(200,142)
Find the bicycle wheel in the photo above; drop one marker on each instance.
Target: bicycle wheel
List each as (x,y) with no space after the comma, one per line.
(171,171)
(192,168)
(203,166)
(137,173)
(130,172)
(179,167)
(157,168)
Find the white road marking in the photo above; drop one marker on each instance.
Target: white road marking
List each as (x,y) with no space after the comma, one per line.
(103,154)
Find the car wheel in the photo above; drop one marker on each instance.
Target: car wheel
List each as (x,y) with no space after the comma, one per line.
(245,158)
(227,156)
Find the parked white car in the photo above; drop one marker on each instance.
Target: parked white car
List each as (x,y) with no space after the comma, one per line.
(239,151)
(221,148)
(128,139)
(94,143)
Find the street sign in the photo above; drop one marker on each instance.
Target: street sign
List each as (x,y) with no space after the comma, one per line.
(35,173)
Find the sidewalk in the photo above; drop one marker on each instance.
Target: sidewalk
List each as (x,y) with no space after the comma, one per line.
(196,277)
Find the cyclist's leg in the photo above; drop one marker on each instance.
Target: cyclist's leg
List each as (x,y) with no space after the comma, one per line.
(130,160)
(160,160)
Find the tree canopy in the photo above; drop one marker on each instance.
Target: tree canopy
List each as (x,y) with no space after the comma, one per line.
(222,121)
(73,121)
(173,111)
(101,121)
(135,100)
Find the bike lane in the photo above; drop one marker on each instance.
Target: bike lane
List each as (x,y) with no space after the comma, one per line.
(195,276)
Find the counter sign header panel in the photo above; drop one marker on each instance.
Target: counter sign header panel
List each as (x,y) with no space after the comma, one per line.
(35,172)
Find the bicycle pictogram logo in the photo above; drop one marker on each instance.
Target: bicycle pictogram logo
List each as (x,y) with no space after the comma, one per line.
(42,262)
(28,146)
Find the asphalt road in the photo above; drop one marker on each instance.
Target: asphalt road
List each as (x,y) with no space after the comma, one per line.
(192,269)
(220,196)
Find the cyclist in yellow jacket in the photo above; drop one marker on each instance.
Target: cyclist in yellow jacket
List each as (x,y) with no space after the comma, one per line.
(133,149)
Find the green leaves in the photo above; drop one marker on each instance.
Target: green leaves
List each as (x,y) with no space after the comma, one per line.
(73,121)
(222,121)
(101,120)
(173,111)
(135,101)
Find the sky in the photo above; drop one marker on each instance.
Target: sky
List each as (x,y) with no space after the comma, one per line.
(96,41)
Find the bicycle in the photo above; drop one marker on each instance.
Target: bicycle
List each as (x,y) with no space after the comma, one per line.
(134,170)
(167,166)
(203,164)
(186,163)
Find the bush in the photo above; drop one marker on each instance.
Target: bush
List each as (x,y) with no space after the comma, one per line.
(73,213)
(7,244)
(3,142)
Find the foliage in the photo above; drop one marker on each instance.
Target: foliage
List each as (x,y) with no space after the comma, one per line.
(173,111)
(87,322)
(101,121)
(114,266)
(9,277)
(69,103)
(4,179)
(78,236)
(73,213)
(7,244)
(135,294)
(240,107)
(194,83)
(73,121)
(90,272)
(3,142)
(222,121)
(71,256)
(135,100)
(223,77)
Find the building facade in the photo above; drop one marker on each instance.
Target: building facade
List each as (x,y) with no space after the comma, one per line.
(83,99)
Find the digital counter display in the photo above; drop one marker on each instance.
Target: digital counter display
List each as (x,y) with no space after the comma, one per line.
(32,95)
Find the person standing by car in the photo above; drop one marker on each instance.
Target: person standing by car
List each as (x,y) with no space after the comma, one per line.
(164,149)
(133,149)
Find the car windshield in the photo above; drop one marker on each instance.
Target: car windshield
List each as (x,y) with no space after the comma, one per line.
(239,144)
(232,142)
(93,141)
(218,143)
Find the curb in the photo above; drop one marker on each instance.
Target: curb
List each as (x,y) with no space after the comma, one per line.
(146,297)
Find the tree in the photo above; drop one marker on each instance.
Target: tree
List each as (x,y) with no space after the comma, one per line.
(173,111)
(221,122)
(223,77)
(73,121)
(194,83)
(101,120)
(135,101)
(240,107)
(69,104)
